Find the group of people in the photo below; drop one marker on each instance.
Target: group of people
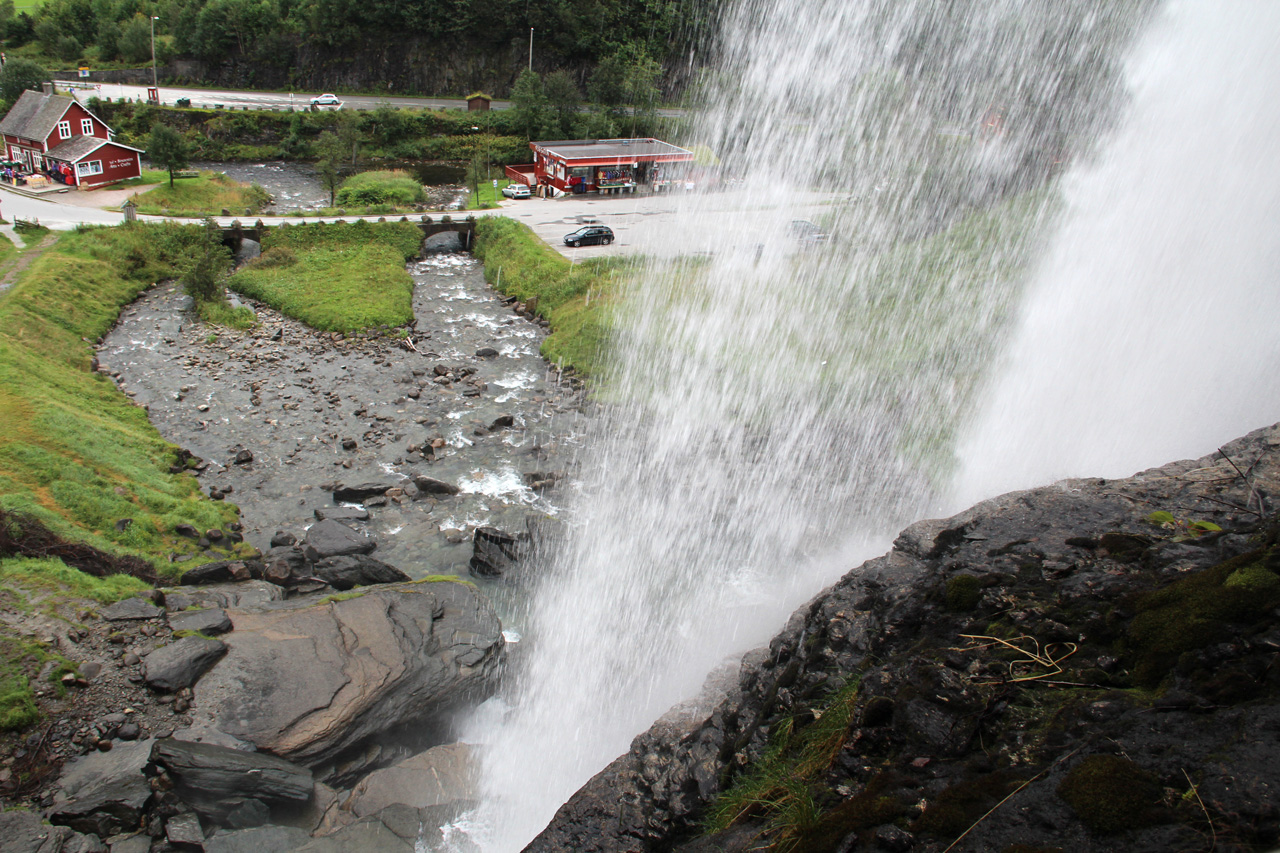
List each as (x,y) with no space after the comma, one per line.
(61,172)
(12,175)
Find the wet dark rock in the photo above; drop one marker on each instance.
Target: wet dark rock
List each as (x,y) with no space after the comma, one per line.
(217,780)
(496,553)
(243,457)
(24,832)
(432,486)
(349,444)
(333,539)
(104,792)
(486,352)
(222,571)
(122,524)
(186,530)
(345,572)
(441,776)
(956,707)
(358,493)
(312,681)
(212,621)
(180,664)
(341,513)
(502,422)
(281,538)
(130,609)
(284,565)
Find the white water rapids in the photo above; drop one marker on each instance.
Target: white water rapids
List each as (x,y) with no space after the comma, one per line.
(777,413)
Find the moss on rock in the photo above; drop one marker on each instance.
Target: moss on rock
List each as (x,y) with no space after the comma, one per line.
(1111,793)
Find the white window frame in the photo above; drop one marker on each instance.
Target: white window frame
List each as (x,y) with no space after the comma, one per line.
(86,126)
(64,129)
(89,167)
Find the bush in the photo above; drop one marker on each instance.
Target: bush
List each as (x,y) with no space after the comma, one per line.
(381,187)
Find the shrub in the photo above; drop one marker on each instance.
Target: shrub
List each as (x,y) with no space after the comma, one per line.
(381,187)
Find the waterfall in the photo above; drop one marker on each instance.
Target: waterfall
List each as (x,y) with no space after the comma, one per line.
(778,407)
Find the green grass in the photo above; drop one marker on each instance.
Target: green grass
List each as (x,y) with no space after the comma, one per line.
(75,452)
(55,576)
(208,194)
(342,277)
(577,299)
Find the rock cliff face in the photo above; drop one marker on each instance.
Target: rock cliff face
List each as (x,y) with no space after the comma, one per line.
(1089,666)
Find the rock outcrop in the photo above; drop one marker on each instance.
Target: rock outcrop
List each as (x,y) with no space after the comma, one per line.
(311,682)
(1091,664)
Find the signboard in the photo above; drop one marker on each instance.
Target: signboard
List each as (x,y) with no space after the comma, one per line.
(84,71)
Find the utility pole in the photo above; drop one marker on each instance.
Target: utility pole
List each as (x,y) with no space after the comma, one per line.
(530,48)
(154,84)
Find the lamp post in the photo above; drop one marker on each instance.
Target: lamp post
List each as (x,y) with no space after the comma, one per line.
(530,48)
(154,84)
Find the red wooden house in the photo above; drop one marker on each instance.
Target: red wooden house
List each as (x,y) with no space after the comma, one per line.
(57,135)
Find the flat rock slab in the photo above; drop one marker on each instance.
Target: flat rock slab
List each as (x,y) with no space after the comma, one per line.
(181,664)
(218,781)
(131,609)
(334,539)
(104,792)
(260,839)
(247,595)
(341,513)
(440,776)
(310,681)
(211,621)
(343,573)
(222,571)
(432,486)
(358,493)
(184,829)
(395,829)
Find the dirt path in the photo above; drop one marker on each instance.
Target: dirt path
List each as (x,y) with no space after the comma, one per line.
(25,256)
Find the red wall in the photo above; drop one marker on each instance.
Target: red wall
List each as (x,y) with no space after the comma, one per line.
(126,164)
(75,113)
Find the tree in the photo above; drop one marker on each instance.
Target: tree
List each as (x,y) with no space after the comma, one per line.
(168,150)
(134,43)
(529,104)
(20,74)
(332,151)
(563,97)
(350,134)
(205,268)
(477,170)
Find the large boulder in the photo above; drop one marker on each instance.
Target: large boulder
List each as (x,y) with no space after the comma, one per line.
(221,783)
(310,681)
(247,595)
(23,832)
(334,539)
(104,792)
(180,664)
(353,570)
(441,776)
(359,492)
(222,571)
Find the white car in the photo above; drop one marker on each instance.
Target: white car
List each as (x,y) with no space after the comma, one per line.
(328,99)
(517,191)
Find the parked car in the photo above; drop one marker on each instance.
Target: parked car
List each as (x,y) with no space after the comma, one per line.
(328,99)
(517,191)
(590,234)
(805,232)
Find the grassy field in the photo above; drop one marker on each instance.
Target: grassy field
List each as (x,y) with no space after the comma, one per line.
(577,299)
(208,194)
(340,278)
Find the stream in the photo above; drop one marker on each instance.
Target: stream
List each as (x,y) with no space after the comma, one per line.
(295,398)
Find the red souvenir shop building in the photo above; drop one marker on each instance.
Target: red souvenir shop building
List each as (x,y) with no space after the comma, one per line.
(57,136)
(599,165)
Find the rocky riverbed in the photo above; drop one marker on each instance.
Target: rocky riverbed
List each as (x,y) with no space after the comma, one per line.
(460,425)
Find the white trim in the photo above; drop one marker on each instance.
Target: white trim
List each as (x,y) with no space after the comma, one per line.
(86,170)
(64,129)
(86,130)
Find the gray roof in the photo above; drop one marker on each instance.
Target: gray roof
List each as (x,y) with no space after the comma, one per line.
(75,148)
(620,149)
(35,115)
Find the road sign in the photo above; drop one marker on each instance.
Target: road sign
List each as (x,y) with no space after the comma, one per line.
(84,71)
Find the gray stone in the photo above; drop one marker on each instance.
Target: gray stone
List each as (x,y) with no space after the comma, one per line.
(222,571)
(440,776)
(22,831)
(250,594)
(217,780)
(132,844)
(332,539)
(341,513)
(432,486)
(104,792)
(356,570)
(358,493)
(262,839)
(212,621)
(285,565)
(184,829)
(496,553)
(180,664)
(313,680)
(130,609)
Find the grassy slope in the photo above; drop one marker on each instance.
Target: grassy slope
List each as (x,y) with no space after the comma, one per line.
(208,194)
(342,278)
(74,451)
(577,299)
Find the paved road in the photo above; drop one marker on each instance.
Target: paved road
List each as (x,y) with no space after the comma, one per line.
(238,99)
(657,225)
